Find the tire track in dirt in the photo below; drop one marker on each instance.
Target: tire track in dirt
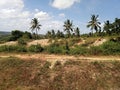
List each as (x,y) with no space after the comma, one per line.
(52,57)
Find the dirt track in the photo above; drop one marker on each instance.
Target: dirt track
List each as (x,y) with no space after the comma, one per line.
(52,57)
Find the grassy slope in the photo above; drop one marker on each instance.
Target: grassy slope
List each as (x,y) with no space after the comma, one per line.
(16,74)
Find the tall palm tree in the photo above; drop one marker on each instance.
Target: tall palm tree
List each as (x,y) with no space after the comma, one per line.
(35,25)
(94,24)
(68,27)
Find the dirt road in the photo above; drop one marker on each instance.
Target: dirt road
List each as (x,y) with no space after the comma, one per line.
(52,57)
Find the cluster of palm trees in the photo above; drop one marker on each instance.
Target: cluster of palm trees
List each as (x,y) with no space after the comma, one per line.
(68,28)
(93,24)
(112,28)
(108,28)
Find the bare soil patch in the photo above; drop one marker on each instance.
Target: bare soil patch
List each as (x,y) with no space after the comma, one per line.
(9,43)
(42,42)
(53,57)
(99,41)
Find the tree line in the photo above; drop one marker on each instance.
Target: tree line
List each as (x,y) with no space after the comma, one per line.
(109,28)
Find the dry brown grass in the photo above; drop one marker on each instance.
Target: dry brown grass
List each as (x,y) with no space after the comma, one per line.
(16,74)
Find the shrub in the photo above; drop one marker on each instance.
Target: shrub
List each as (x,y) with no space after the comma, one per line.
(95,50)
(35,48)
(13,48)
(21,48)
(53,49)
(117,39)
(16,34)
(111,48)
(57,49)
(79,50)
(22,41)
(6,48)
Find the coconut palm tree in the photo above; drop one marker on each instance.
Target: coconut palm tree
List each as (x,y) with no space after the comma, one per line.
(94,24)
(35,25)
(68,27)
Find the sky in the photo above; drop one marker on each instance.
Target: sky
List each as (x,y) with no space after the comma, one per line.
(17,14)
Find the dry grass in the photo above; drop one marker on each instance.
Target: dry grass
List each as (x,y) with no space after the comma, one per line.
(16,74)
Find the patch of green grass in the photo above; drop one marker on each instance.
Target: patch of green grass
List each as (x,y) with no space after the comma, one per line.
(35,48)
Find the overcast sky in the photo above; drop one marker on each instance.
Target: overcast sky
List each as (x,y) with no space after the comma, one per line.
(17,14)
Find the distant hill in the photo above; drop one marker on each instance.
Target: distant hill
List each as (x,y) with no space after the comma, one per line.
(4,33)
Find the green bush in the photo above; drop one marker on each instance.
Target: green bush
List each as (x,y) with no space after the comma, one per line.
(57,49)
(35,48)
(22,41)
(79,50)
(13,48)
(21,48)
(95,50)
(6,48)
(111,48)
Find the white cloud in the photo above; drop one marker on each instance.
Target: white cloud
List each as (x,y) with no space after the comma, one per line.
(62,15)
(41,15)
(63,4)
(11,4)
(14,17)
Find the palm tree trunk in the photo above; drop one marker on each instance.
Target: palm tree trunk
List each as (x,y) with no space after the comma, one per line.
(92,32)
(36,33)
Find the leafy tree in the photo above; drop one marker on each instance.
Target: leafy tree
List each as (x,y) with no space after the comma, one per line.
(58,34)
(15,35)
(61,34)
(49,34)
(116,26)
(77,32)
(27,35)
(94,24)
(68,27)
(35,26)
(53,33)
(107,27)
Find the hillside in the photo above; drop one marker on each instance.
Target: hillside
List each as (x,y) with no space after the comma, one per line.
(4,33)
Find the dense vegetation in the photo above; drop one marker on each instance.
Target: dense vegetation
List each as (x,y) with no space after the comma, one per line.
(66,42)
(110,47)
